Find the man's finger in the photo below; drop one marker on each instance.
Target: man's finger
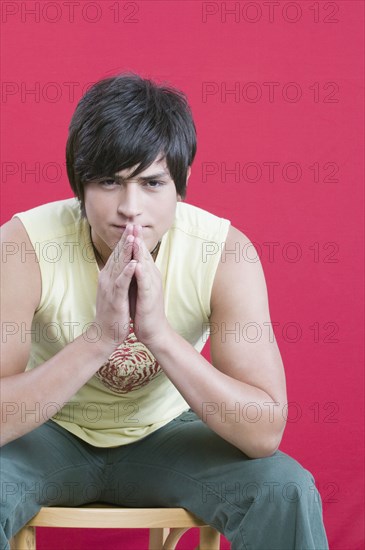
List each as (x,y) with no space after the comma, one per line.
(122,253)
(143,278)
(140,251)
(123,281)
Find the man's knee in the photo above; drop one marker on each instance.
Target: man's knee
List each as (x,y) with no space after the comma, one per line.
(277,479)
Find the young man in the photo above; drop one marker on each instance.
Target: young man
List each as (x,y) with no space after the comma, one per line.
(106,301)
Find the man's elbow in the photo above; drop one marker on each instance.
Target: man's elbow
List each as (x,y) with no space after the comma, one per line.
(263,447)
(262,451)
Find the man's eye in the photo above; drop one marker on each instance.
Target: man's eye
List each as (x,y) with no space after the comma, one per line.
(109,183)
(154,183)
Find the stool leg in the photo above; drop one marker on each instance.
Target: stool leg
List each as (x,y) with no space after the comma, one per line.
(25,539)
(174,536)
(157,537)
(209,539)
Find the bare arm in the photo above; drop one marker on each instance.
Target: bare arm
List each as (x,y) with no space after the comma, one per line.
(242,394)
(59,378)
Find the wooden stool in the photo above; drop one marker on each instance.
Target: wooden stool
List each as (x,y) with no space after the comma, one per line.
(166,525)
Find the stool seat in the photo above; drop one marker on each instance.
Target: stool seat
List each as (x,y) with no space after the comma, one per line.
(166,525)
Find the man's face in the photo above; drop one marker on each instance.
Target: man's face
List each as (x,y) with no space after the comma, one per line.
(148,199)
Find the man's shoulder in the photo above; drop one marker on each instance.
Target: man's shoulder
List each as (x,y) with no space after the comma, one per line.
(49,220)
(65,207)
(198,222)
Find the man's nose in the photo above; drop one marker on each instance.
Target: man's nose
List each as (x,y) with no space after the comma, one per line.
(130,204)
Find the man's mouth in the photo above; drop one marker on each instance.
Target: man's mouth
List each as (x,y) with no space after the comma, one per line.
(124,226)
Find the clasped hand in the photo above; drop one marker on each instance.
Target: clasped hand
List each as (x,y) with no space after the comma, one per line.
(130,287)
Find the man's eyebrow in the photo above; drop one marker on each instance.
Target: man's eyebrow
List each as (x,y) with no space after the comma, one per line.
(157,175)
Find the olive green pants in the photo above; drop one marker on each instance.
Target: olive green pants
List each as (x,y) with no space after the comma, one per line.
(258,504)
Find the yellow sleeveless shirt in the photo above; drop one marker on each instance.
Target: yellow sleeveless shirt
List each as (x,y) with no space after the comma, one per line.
(130,396)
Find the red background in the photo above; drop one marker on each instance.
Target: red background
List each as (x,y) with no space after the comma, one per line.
(310,211)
